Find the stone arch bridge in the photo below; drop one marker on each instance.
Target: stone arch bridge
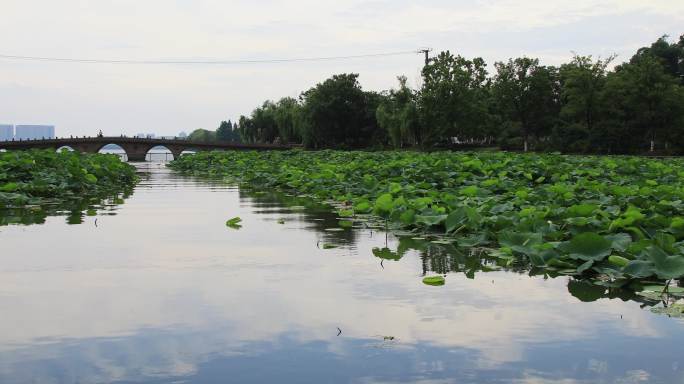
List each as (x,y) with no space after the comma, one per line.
(136,148)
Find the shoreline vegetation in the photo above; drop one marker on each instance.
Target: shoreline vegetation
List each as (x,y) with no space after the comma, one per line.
(41,179)
(587,105)
(614,221)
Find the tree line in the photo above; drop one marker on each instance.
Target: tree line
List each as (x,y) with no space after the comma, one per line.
(583,106)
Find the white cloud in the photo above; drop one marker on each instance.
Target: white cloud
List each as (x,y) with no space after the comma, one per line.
(169,99)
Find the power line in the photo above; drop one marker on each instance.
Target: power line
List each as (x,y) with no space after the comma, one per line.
(201,62)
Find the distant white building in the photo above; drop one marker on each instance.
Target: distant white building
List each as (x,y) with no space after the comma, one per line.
(34,132)
(6,132)
(182,135)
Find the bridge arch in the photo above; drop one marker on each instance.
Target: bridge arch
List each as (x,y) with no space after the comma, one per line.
(160,153)
(65,147)
(114,149)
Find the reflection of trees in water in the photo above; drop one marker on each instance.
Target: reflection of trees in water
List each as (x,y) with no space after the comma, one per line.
(436,256)
(440,257)
(448,258)
(445,258)
(317,217)
(75,210)
(588,291)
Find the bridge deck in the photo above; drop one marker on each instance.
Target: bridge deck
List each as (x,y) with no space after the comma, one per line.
(66,141)
(136,148)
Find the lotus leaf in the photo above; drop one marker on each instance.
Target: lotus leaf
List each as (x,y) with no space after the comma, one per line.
(234,223)
(434,280)
(587,246)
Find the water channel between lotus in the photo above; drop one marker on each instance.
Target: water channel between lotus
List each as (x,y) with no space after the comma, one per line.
(160,290)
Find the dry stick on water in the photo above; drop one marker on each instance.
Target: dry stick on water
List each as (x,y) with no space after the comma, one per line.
(667,287)
(339,331)
(386,231)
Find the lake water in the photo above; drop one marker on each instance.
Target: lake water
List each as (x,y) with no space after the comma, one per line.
(156,154)
(159,290)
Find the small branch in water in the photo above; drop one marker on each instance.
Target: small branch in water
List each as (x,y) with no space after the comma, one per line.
(339,331)
(381,261)
(667,286)
(96,221)
(386,220)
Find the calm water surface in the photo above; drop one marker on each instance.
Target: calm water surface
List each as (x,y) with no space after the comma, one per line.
(161,291)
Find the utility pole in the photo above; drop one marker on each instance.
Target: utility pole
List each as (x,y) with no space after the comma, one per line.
(426,51)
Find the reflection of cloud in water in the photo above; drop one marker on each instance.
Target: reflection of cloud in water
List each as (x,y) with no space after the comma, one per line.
(150,295)
(530,378)
(217,317)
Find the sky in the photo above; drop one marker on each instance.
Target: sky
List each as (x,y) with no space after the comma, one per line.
(165,99)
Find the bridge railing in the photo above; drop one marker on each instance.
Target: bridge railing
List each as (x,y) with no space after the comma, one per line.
(174,140)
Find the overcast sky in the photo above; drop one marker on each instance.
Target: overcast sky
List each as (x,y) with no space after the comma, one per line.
(81,99)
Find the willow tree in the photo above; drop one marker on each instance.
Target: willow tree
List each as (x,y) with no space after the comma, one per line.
(287,115)
(397,114)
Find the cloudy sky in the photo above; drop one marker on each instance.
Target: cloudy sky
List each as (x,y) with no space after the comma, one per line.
(165,99)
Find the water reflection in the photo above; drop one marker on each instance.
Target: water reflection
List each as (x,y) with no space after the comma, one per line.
(75,211)
(308,213)
(164,292)
(436,256)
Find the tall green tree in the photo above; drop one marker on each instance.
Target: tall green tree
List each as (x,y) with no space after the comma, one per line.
(527,94)
(670,55)
(225,132)
(453,99)
(582,82)
(650,100)
(338,113)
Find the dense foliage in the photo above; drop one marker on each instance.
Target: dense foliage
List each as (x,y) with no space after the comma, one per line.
(226,131)
(582,106)
(41,176)
(614,218)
